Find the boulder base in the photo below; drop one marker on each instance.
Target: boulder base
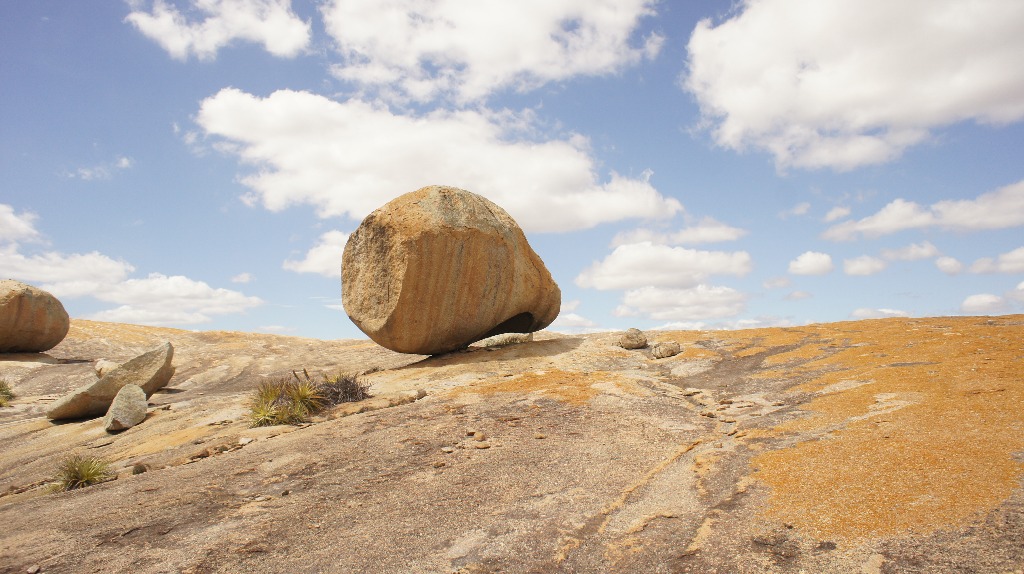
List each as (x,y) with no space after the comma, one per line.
(31,320)
(633,339)
(439,268)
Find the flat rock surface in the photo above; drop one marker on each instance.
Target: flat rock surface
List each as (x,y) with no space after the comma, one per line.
(894,445)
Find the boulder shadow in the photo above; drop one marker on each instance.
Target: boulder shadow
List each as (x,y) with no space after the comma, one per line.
(477,355)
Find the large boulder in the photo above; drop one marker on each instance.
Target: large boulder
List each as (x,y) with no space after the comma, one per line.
(151,371)
(31,320)
(128,409)
(439,268)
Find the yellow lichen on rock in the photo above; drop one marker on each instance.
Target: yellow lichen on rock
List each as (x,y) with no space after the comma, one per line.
(920,440)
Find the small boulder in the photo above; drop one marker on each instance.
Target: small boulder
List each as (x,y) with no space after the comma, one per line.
(439,268)
(151,371)
(633,339)
(127,410)
(31,320)
(665,350)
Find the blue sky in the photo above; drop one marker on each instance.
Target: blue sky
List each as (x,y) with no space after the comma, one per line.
(706,164)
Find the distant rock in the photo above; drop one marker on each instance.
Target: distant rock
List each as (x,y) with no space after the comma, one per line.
(127,410)
(31,320)
(633,339)
(665,350)
(439,268)
(104,366)
(151,371)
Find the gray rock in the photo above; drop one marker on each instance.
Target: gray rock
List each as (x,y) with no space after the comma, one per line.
(31,320)
(127,410)
(151,371)
(633,339)
(665,350)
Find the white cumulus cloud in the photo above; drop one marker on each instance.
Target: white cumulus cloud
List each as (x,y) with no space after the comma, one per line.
(836,213)
(689,304)
(999,209)
(219,23)
(863,265)
(846,83)
(15,227)
(707,230)
(868,313)
(423,49)
(811,263)
(348,158)
(984,304)
(912,252)
(648,264)
(949,265)
(1011,262)
(169,300)
(324,258)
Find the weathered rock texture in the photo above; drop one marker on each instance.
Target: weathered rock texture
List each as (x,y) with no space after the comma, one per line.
(439,268)
(127,410)
(31,320)
(883,446)
(633,339)
(150,371)
(665,350)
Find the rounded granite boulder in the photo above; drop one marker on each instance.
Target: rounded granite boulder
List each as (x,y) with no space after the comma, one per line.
(31,320)
(439,268)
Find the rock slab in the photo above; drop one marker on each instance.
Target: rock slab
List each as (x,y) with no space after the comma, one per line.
(127,410)
(665,350)
(439,268)
(31,320)
(151,371)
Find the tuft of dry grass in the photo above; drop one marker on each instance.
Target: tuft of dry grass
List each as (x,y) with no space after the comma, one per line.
(78,471)
(6,394)
(292,400)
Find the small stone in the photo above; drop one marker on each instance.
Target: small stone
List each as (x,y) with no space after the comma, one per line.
(482,445)
(709,414)
(479,436)
(245,440)
(692,391)
(285,492)
(633,339)
(471,432)
(140,468)
(34,569)
(447,449)
(438,463)
(665,350)
(539,436)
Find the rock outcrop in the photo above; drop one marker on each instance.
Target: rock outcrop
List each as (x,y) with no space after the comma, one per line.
(151,371)
(439,268)
(31,320)
(665,350)
(127,410)
(633,339)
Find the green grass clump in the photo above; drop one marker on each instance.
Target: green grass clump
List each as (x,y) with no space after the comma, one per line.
(6,394)
(78,471)
(292,400)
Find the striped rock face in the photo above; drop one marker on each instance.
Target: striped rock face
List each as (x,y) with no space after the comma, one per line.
(31,320)
(439,268)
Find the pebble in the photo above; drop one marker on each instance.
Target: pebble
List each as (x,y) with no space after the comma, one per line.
(539,436)
(479,436)
(447,449)
(691,391)
(34,569)
(482,445)
(438,463)
(245,440)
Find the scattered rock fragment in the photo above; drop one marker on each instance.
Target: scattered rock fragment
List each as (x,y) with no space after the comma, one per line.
(665,350)
(633,339)
(439,268)
(127,410)
(151,371)
(31,320)
(104,366)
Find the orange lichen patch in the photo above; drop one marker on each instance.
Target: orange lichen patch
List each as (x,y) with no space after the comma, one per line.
(915,430)
(572,387)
